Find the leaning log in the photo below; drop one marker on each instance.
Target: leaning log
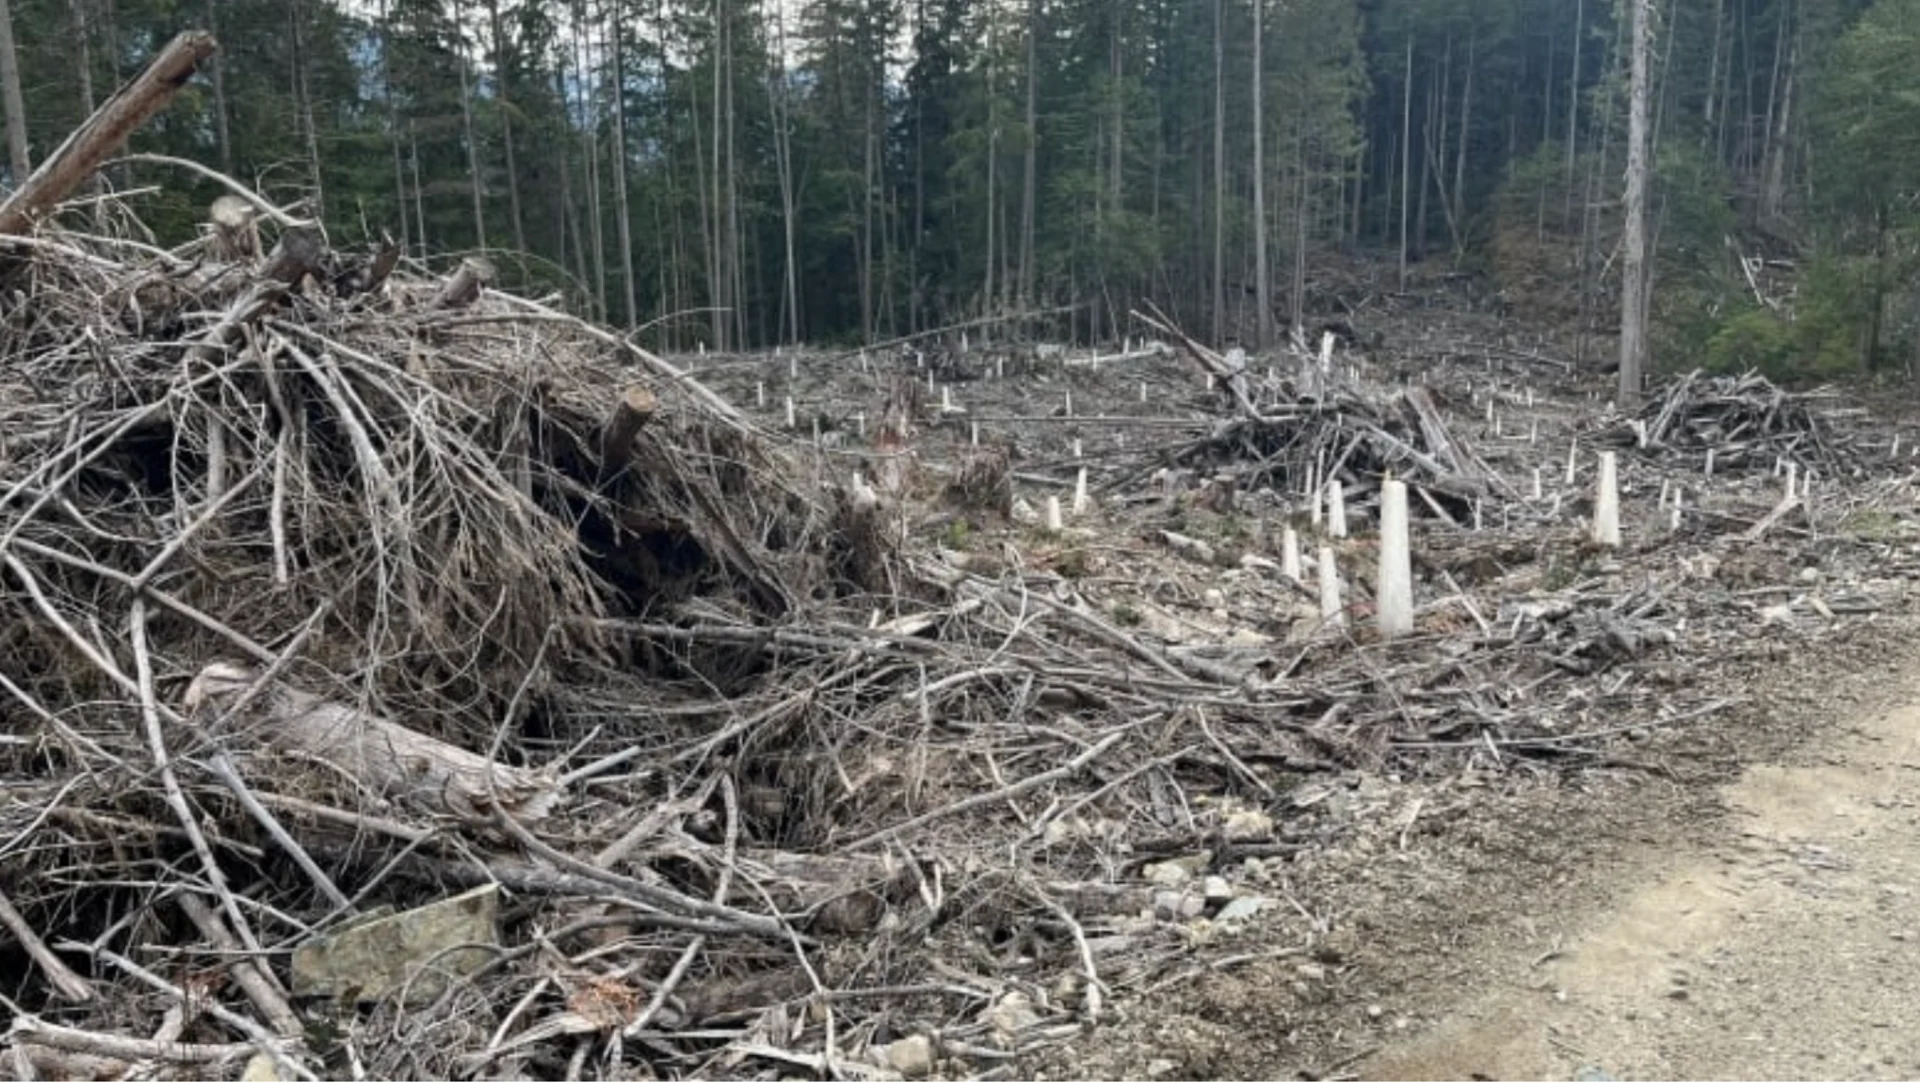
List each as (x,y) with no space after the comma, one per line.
(110,125)
(386,757)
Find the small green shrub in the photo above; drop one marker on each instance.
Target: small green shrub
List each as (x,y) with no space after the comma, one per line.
(1755,339)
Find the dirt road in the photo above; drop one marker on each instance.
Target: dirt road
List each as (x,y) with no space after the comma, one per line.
(1785,945)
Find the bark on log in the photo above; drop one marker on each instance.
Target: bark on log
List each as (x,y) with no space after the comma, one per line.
(382,755)
(300,252)
(464,287)
(636,407)
(843,894)
(90,144)
(235,238)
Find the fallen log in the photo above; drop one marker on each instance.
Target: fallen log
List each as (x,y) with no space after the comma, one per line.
(382,755)
(109,126)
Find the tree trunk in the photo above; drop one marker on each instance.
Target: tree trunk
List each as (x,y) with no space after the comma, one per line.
(1406,157)
(303,101)
(1573,106)
(74,160)
(622,212)
(1774,191)
(1263,300)
(1219,172)
(1297,299)
(1633,273)
(1426,165)
(419,188)
(503,102)
(473,143)
(1030,184)
(15,104)
(716,240)
(590,145)
(82,40)
(216,71)
(1713,75)
(993,160)
(393,128)
(1460,156)
(783,163)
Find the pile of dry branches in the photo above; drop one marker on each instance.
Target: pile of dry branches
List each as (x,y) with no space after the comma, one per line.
(1748,421)
(330,587)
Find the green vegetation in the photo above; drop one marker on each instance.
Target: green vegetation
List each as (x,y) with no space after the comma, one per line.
(743,172)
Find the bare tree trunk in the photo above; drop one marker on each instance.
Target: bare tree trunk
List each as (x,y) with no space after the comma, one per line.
(1573,106)
(303,99)
(596,235)
(14,103)
(1406,157)
(1117,62)
(1598,157)
(101,134)
(1573,110)
(622,211)
(419,189)
(217,72)
(1546,137)
(1774,190)
(504,103)
(466,120)
(737,259)
(1460,157)
(1713,74)
(1297,299)
(1773,96)
(393,128)
(1219,171)
(717,278)
(1633,274)
(1263,310)
(993,159)
(1427,162)
(783,162)
(1029,186)
(868,172)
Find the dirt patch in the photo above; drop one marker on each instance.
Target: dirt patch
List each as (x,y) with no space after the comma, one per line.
(1699,920)
(1782,944)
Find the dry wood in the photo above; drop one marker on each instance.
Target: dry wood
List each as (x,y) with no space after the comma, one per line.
(299,253)
(75,160)
(406,513)
(28,1030)
(251,975)
(390,759)
(68,984)
(636,407)
(463,289)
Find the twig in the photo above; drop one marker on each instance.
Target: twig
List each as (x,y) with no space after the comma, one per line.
(250,974)
(28,1029)
(68,984)
(1031,782)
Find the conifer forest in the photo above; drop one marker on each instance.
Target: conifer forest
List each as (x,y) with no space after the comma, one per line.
(744,173)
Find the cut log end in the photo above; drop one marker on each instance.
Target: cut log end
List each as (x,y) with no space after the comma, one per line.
(463,288)
(636,407)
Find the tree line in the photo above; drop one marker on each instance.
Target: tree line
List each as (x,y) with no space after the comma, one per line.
(746,172)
